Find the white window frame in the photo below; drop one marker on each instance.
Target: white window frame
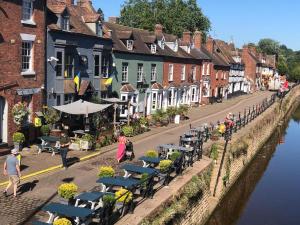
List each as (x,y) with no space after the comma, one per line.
(25,19)
(29,55)
(124,97)
(194,96)
(182,74)
(105,65)
(194,73)
(154,100)
(171,72)
(208,69)
(65,23)
(129,45)
(217,75)
(62,62)
(203,69)
(153,72)
(124,72)
(99,64)
(140,72)
(153,48)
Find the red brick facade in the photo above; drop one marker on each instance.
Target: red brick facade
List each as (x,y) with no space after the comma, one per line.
(10,56)
(249,58)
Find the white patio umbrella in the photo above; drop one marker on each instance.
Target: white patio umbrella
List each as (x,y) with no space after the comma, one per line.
(82,107)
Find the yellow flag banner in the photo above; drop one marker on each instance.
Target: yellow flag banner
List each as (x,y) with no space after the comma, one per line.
(108,81)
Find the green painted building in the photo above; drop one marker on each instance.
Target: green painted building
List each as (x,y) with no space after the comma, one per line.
(137,68)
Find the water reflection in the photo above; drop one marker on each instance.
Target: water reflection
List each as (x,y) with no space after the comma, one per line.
(267,192)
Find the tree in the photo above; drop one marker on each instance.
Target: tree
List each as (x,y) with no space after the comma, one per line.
(176,16)
(99,11)
(295,73)
(282,65)
(268,46)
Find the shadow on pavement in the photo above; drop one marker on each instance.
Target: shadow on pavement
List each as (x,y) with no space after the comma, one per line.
(29,186)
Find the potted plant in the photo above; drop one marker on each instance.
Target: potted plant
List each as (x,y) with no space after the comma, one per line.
(108,207)
(20,113)
(176,158)
(51,116)
(106,171)
(171,112)
(62,221)
(123,198)
(67,191)
(143,121)
(182,111)
(87,141)
(151,154)
(18,139)
(45,129)
(127,130)
(164,168)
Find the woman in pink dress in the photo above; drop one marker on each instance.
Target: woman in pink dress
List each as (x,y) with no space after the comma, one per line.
(121,147)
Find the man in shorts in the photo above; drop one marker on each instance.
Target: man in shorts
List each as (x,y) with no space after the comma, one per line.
(12,170)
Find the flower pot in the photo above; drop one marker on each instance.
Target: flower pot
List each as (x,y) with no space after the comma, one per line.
(18,146)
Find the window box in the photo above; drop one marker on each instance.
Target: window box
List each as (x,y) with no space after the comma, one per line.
(28,73)
(28,22)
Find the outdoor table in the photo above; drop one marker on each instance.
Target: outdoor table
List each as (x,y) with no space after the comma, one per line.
(193,142)
(128,183)
(188,152)
(46,143)
(57,209)
(91,197)
(130,168)
(147,161)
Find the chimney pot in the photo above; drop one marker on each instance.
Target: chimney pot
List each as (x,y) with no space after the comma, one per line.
(158,29)
(113,19)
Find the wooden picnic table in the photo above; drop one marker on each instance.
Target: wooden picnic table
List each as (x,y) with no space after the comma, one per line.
(57,209)
(130,168)
(91,197)
(148,161)
(128,183)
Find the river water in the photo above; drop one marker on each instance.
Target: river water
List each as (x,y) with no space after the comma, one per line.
(268,192)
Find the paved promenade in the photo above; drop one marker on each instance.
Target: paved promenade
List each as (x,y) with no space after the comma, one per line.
(39,190)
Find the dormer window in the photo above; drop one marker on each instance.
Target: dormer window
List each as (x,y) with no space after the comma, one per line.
(153,48)
(99,29)
(129,45)
(65,23)
(27,12)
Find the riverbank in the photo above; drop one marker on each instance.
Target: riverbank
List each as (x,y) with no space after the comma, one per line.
(241,150)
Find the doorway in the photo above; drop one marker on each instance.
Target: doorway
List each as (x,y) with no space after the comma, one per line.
(3,120)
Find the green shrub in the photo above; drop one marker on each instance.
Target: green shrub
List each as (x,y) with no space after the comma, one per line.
(67,190)
(108,199)
(151,154)
(175,156)
(164,165)
(123,195)
(106,171)
(88,137)
(183,110)
(45,129)
(214,152)
(62,221)
(18,137)
(159,116)
(127,130)
(51,115)
(143,121)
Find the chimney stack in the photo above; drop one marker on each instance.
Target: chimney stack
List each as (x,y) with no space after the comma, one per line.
(197,39)
(85,4)
(113,19)
(158,29)
(210,44)
(186,36)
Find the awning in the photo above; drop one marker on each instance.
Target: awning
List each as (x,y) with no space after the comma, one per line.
(114,100)
(81,107)
(28,91)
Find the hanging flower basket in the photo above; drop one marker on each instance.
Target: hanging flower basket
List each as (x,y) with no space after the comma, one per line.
(20,113)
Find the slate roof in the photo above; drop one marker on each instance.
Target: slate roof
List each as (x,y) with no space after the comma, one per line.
(200,53)
(142,41)
(79,15)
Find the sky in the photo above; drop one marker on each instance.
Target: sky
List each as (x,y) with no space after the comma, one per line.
(241,21)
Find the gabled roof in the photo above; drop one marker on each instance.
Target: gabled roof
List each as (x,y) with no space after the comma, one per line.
(127,88)
(157,86)
(79,15)
(142,41)
(200,53)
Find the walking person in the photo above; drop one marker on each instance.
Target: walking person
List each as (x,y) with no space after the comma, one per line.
(12,170)
(121,146)
(64,143)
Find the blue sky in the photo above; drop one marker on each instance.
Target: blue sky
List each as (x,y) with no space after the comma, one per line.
(242,21)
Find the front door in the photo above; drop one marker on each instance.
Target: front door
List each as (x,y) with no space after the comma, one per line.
(2,105)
